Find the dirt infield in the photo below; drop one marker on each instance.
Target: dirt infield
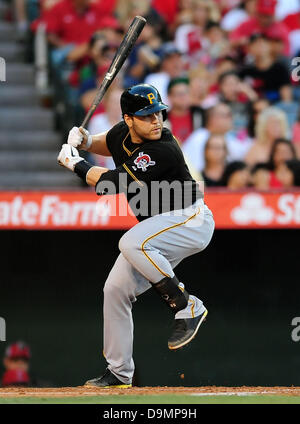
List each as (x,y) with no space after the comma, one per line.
(85,391)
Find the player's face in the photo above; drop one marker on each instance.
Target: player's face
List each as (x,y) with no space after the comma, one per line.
(147,127)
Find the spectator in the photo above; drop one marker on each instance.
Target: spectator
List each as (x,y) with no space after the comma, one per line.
(182,118)
(101,53)
(17,368)
(289,173)
(167,9)
(104,121)
(238,96)
(255,109)
(215,154)
(218,121)
(127,10)
(16,365)
(112,29)
(260,176)
(282,151)
(71,23)
(183,16)
(200,83)
(144,57)
(288,105)
(223,65)
(292,23)
(215,45)
(271,124)
(189,37)
(296,135)
(172,66)
(236,16)
(263,22)
(267,75)
(27,11)
(236,176)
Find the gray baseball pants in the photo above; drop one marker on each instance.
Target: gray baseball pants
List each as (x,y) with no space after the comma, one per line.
(149,252)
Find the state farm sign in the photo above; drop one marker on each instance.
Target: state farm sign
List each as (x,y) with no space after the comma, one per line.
(85,210)
(51,209)
(60,211)
(255,210)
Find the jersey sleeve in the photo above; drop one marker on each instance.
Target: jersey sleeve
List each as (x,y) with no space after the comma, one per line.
(152,163)
(117,132)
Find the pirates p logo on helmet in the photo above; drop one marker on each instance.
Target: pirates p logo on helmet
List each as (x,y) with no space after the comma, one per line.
(142,100)
(151,97)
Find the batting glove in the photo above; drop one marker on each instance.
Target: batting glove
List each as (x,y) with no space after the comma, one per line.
(80,138)
(68,157)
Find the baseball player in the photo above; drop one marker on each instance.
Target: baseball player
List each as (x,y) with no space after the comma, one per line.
(174,223)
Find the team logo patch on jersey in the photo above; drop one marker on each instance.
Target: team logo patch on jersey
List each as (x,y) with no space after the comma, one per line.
(142,162)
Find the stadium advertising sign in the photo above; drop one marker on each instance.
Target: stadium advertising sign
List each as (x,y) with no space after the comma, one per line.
(84,210)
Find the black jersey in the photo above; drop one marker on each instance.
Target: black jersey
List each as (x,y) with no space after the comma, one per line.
(153,174)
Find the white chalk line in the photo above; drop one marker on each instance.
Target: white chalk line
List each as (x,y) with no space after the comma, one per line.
(234,393)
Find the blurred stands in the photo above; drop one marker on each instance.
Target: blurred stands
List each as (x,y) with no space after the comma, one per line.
(28,142)
(238,53)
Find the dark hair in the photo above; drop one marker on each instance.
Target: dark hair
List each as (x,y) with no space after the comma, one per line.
(294,167)
(252,112)
(227,58)
(212,24)
(274,147)
(95,37)
(257,36)
(230,169)
(227,74)
(260,165)
(175,81)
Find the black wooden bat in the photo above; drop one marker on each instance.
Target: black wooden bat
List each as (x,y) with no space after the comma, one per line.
(122,53)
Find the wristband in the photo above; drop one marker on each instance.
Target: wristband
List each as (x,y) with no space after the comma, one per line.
(82,168)
(89,142)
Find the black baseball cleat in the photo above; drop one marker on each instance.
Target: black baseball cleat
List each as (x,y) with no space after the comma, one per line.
(108,380)
(185,330)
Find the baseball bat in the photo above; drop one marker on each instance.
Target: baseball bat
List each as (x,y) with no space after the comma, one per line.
(122,53)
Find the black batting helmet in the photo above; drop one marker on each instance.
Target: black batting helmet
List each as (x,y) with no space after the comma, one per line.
(142,100)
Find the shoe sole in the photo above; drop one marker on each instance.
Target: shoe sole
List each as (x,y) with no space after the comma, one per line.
(121,386)
(193,335)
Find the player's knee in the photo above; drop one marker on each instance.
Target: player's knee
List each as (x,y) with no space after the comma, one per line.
(110,290)
(128,245)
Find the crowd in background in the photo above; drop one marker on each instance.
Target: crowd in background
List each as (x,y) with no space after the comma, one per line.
(224,67)
(17,370)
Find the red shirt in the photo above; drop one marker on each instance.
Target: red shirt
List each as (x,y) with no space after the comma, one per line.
(106,7)
(15,377)
(274,182)
(166,8)
(252,26)
(181,126)
(296,132)
(292,22)
(72,27)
